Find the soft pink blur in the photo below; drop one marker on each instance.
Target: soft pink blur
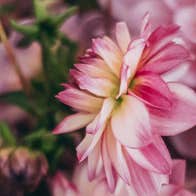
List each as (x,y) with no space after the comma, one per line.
(30,64)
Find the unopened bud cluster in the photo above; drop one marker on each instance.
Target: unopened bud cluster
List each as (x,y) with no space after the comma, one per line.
(22,168)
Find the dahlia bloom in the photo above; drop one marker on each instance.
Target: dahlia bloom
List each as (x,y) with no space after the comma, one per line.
(132,12)
(126,106)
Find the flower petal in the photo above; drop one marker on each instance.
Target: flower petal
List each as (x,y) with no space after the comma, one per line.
(122,36)
(174,190)
(83,147)
(161,36)
(169,56)
(96,71)
(146,27)
(110,53)
(130,123)
(145,183)
(116,155)
(130,64)
(102,117)
(109,171)
(150,88)
(154,157)
(73,122)
(88,144)
(98,86)
(93,160)
(80,100)
(182,115)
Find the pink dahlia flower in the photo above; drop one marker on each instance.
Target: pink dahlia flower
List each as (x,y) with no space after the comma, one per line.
(126,106)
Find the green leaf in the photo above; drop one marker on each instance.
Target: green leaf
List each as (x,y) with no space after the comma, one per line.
(6,135)
(41,139)
(19,99)
(28,30)
(36,135)
(40,10)
(59,19)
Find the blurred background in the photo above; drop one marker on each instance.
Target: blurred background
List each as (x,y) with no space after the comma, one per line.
(40,41)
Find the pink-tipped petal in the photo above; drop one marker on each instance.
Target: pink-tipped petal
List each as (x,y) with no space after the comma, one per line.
(109,171)
(154,157)
(150,88)
(116,154)
(73,122)
(144,182)
(122,35)
(133,56)
(168,57)
(130,123)
(83,147)
(102,117)
(80,100)
(130,64)
(182,115)
(146,27)
(93,160)
(161,36)
(123,80)
(110,53)
(95,71)
(92,127)
(99,86)
(88,144)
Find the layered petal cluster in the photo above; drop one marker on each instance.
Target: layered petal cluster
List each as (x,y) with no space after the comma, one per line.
(120,96)
(176,186)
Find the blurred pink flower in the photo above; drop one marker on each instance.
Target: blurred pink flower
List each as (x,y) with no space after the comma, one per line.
(114,82)
(176,181)
(132,12)
(81,186)
(184,14)
(60,186)
(186,18)
(175,4)
(99,186)
(29,62)
(83,26)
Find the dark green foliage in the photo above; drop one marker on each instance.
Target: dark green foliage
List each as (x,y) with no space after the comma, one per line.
(6,135)
(58,54)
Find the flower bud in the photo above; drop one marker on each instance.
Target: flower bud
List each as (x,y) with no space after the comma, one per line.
(22,168)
